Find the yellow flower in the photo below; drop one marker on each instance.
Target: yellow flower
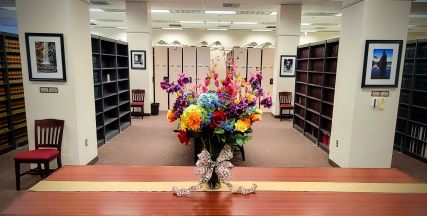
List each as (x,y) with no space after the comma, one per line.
(247,121)
(251,97)
(236,101)
(183,124)
(240,126)
(259,111)
(171,116)
(194,121)
(256,117)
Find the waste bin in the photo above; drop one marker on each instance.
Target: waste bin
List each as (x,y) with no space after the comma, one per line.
(155,108)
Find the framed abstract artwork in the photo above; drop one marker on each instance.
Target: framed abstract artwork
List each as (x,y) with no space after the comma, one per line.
(287,65)
(138,59)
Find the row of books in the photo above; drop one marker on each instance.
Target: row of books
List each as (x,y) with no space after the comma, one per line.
(327,110)
(410,51)
(15,75)
(317,52)
(300,111)
(302,65)
(14,64)
(300,100)
(315,92)
(408,67)
(422,50)
(328,95)
(418,132)
(3,122)
(301,88)
(301,77)
(406,82)
(17,104)
(303,53)
(11,44)
(417,147)
(329,81)
(16,90)
(312,117)
(13,59)
(313,104)
(326,125)
(331,66)
(316,79)
(316,65)
(333,50)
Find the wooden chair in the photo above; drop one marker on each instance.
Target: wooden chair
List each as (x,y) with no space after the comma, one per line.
(285,99)
(48,134)
(138,96)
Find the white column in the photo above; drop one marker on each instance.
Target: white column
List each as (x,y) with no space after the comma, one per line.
(74,101)
(139,38)
(287,39)
(363,136)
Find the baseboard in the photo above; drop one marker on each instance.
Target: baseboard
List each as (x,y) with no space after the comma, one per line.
(333,164)
(139,114)
(93,161)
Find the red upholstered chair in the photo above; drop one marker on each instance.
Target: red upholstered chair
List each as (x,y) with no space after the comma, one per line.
(285,99)
(48,134)
(138,100)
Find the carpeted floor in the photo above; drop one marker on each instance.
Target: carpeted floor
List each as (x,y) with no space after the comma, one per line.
(152,142)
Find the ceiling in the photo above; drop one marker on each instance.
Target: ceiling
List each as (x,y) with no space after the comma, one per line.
(317,15)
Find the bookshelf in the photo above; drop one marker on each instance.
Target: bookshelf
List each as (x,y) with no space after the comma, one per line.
(111,86)
(314,90)
(411,125)
(13,124)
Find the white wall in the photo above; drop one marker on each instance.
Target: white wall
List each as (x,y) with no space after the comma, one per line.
(74,101)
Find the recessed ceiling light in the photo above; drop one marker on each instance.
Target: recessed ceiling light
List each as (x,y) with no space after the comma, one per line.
(220,12)
(96,10)
(305,24)
(262,30)
(305,33)
(274,13)
(93,20)
(338,15)
(418,15)
(9,8)
(160,11)
(245,23)
(171,28)
(217,22)
(216,29)
(192,22)
(121,27)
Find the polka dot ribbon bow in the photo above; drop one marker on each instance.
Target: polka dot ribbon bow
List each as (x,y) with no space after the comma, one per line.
(205,168)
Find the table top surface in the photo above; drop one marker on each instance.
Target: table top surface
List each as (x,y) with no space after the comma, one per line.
(221,203)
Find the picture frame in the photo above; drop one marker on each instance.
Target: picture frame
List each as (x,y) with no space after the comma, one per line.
(45,56)
(138,59)
(381,63)
(287,65)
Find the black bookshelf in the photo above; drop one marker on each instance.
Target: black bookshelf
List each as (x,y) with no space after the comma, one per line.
(411,125)
(111,86)
(315,89)
(13,124)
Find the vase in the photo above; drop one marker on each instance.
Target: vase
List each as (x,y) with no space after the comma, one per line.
(214,182)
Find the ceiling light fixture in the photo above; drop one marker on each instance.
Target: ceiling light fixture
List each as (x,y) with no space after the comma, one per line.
(8,8)
(305,33)
(217,22)
(221,12)
(418,16)
(305,24)
(159,11)
(192,22)
(121,27)
(93,20)
(96,10)
(274,13)
(245,23)
(171,28)
(216,29)
(262,30)
(338,15)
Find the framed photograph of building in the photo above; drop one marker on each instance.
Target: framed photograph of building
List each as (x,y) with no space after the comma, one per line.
(381,63)
(45,56)
(287,65)
(138,59)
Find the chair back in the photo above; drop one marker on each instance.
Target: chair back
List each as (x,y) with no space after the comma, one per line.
(285,97)
(138,95)
(48,133)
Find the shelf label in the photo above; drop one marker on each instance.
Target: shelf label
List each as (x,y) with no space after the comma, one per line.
(48,90)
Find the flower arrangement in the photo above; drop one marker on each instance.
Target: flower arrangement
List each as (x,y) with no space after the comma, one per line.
(219,114)
(217,111)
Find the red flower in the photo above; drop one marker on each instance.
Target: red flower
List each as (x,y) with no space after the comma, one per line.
(218,117)
(183,137)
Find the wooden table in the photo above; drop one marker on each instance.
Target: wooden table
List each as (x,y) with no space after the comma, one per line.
(221,203)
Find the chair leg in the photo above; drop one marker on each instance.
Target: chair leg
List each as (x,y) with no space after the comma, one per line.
(280,115)
(40,170)
(59,161)
(18,175)
(142,112)
(46,169)
(242,151)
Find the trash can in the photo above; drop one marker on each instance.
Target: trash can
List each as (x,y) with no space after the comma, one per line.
(155,108)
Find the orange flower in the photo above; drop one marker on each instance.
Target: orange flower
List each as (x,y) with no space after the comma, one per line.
(194,121)
(247,121)
(256,117)
(171,116)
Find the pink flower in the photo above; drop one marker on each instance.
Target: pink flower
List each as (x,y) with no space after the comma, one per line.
(207,81)
(216,83)
(204,89)
(216,75)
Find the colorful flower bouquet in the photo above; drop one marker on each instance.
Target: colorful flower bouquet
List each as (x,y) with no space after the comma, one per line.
(218,113)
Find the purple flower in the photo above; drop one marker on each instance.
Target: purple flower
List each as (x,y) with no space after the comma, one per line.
(183,80)
(267,102)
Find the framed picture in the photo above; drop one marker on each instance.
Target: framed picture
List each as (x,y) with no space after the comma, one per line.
(287,65)
(138,59)
(45,56)
(382,63)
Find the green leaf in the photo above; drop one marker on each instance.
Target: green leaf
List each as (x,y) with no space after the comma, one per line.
(219,131)
(240,142)
(249,130)
(247,138)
